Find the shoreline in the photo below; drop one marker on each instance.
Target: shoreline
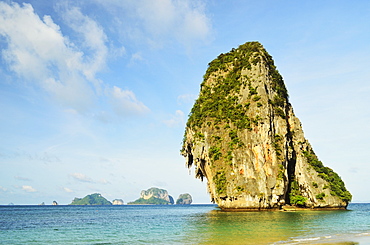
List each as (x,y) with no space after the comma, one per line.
(285,208)
(338,239)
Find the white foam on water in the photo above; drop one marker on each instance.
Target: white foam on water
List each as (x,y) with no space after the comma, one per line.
(307,239)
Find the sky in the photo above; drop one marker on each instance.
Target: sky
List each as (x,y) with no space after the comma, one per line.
(95,95)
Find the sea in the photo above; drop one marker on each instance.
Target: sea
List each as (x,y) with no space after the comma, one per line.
(180,224)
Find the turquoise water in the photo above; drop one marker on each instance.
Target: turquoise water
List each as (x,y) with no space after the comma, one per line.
(194,224)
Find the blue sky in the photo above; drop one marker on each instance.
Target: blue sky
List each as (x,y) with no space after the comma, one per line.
(94,95)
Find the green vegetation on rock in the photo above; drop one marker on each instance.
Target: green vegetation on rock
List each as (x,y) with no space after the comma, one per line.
(214,152)
(218,104)
(320,196)
(93,199)
(336,184)
(295,195)
(220,181)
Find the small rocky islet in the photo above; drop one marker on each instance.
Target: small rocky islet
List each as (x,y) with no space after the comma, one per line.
(156,196)
(244,138)
(152,196)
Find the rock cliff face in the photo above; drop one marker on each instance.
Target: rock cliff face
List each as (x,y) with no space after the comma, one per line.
(157,193)
(243,137)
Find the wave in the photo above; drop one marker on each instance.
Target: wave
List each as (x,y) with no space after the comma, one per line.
(347,239)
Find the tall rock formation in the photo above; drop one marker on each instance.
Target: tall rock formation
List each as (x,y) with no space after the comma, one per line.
(243,137)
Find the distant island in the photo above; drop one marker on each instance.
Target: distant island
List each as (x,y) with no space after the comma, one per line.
(93,199)
(184,199)
(117,202)
(152,196)
(156,196)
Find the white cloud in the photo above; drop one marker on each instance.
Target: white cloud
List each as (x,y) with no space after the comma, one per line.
(157,16)
(3,189)
(195,24)
(28,188)
(103,181)
(37,51)
(22,178)
(186,99)
(116,52)
(135,58)
(94,39)
(125,102)
(177,119)
(82,177)
(67,190)
(159,20)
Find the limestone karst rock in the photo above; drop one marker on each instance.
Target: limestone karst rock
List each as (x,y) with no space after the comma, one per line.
(184,199)
(157,193)
(154,196)
(243,137)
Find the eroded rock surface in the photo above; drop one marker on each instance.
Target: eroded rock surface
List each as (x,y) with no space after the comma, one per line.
(243,137)
(157,193)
